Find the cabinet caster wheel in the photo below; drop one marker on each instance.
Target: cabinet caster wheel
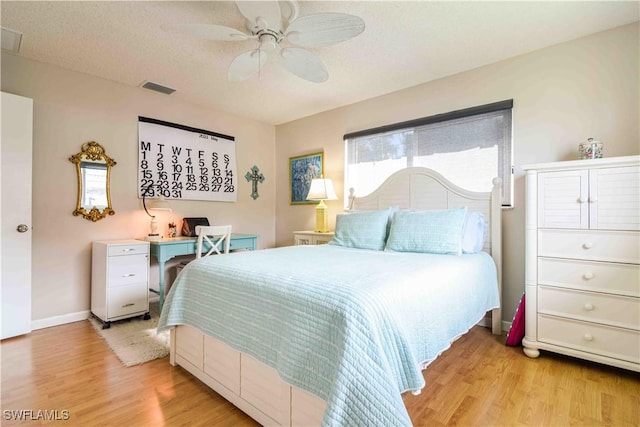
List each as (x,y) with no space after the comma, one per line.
(106,325)
(147,316)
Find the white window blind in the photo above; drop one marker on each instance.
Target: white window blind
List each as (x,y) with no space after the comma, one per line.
(470,147)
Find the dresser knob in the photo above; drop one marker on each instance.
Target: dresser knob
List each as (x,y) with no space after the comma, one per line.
(587,276)
(587,337)
(587,245)
(588,306)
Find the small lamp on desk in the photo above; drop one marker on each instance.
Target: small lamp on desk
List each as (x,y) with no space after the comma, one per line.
(160,204)
(321,189)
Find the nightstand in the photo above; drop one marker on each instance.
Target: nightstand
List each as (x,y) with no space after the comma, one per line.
(311,237)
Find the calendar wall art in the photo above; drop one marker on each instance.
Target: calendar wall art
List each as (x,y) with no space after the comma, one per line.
(185,163)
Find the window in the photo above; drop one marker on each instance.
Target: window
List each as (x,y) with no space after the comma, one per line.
(470,147)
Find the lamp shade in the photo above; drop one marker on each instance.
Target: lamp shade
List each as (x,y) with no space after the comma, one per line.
(321,189)
(160,204)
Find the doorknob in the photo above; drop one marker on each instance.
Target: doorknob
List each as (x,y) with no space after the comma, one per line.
(22,228)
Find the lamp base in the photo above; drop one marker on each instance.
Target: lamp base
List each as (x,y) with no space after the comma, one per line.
(321,218)
(153,238)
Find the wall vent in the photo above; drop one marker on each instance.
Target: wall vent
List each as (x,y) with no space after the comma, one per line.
(11,40)
(157,87)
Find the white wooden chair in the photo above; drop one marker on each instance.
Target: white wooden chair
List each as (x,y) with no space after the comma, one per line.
(217,236)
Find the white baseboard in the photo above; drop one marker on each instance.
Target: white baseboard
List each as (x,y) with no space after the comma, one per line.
(506,326)
(60,320)
(72,317)
(486,322)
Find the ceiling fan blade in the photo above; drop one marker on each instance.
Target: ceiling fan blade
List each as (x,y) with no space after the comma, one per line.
(303,64)
(207,31)
(324,29)
(246,65)
(262,14)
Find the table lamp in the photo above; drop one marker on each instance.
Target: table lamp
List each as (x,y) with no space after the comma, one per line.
(321,189)
(159,204)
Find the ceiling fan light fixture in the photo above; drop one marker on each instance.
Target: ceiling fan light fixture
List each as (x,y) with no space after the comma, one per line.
(268,43)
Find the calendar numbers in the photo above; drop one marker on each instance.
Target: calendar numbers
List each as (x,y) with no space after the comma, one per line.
(179,163)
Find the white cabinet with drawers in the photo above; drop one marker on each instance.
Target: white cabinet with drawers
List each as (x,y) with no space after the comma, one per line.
(582,260)
(119,280)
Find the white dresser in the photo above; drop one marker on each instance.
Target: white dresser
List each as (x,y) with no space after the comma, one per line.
(582,274)
(312,237)
(119,280)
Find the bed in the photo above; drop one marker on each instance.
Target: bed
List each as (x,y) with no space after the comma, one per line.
(334,334)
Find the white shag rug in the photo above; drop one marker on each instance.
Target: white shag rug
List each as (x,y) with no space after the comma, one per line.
(135,340)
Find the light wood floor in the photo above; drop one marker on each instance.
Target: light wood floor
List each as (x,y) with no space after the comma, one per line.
(477,382)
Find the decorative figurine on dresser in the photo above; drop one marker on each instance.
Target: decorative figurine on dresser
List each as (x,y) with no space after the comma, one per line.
(119,280)
(582,260)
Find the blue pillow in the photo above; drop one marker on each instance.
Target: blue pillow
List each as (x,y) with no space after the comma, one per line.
(436,232)
(363,230)
(473,233)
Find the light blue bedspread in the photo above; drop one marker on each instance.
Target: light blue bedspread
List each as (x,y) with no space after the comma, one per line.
(351,326)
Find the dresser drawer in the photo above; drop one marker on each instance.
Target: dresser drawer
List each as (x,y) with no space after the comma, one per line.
(126,300)
(127,270)
(590,306)
(614,246)
(132,249)
(618,343)
(614,278)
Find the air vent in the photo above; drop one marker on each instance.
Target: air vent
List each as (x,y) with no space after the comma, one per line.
(158,88)
(11,40)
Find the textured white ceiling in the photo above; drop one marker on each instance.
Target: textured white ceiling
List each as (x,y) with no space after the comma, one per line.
(405,43)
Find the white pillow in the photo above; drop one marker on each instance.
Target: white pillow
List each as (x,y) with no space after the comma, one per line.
(473,231)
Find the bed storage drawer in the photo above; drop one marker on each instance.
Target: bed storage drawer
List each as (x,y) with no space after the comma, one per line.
(593,338)
(190,345)
(611,310)
(262,387)
(222,363)
(306,409)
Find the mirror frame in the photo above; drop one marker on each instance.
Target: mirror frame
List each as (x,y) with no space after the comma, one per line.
(92,151)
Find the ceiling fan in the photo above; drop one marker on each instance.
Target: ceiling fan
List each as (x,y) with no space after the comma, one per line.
(271,23)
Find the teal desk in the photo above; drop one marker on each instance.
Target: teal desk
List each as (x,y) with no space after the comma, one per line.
(166,249)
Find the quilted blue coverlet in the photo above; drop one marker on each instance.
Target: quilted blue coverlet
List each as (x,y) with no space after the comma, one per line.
(352,326)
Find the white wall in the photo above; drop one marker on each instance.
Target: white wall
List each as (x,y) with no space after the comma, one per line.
(562,95)
(71,109)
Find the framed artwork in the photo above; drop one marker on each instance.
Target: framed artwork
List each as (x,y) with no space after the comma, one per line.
(302,169)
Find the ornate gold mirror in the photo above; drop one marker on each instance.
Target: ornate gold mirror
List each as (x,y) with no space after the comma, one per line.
(94,172)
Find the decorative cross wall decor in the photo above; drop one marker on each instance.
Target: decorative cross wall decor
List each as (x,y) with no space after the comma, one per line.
(256,176)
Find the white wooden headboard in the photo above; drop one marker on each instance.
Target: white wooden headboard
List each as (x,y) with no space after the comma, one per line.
(420,188)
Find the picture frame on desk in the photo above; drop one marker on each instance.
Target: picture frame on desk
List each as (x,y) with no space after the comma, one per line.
(302,169)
